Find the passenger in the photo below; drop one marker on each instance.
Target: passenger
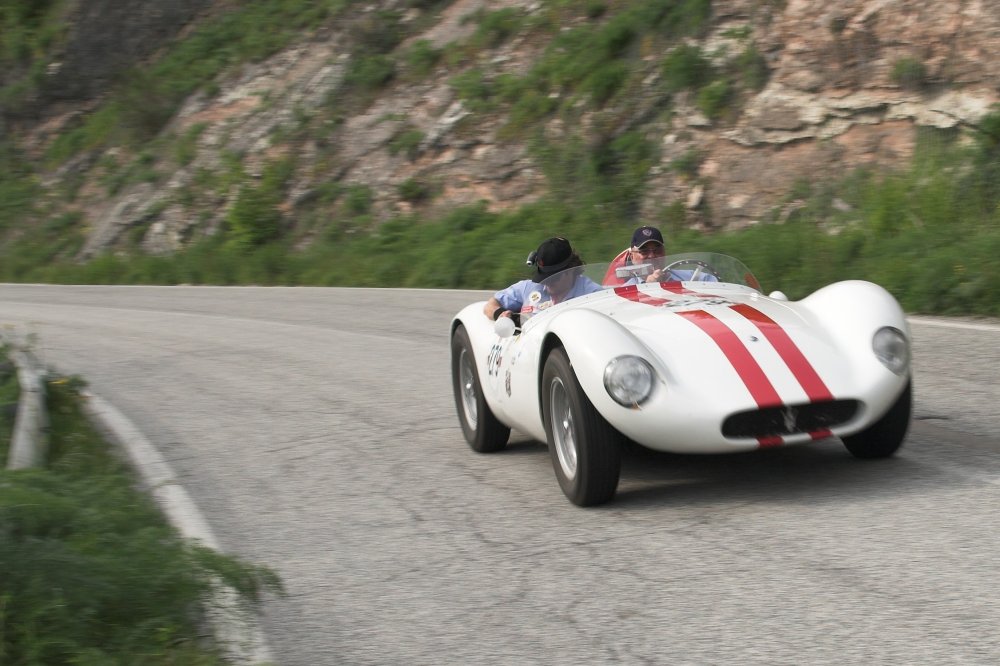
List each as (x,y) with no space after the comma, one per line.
(527,297)
(647,245)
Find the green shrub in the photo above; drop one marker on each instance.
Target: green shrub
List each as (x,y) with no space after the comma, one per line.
(474,90)
(713,99)
(686,68)
(496,27)
(422,58)
(186,147)
(909,73)
(752,68)
(359,199)
(414,191)
(255,218)
(370,72)
(406,142)
(604,82)
(594,9)
(688,163)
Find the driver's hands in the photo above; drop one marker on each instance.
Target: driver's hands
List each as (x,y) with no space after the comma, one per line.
(655,275)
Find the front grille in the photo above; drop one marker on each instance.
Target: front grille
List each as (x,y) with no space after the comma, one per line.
(789,419)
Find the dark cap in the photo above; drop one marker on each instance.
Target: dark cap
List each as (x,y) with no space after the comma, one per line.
(644,235)
(552,256)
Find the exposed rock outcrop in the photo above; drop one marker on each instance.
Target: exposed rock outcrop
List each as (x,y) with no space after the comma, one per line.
(833,101)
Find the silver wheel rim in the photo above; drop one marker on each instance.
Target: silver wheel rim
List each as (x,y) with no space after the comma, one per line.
(467,376)
(561,423)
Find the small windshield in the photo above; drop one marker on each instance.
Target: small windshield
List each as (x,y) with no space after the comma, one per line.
(704,267)
(685,267)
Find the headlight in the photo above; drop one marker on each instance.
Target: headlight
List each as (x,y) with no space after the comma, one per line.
(892,349)
(628,380)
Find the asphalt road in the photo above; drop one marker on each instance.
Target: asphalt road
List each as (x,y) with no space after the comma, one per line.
(316,431)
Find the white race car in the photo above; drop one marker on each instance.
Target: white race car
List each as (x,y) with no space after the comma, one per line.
(703,362)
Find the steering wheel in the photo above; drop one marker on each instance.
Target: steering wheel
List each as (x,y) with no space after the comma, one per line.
(699,268)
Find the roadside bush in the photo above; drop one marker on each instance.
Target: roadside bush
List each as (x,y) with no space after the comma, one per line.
(255,218)
(91,572)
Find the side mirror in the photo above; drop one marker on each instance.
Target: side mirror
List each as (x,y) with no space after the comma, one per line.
(778,296)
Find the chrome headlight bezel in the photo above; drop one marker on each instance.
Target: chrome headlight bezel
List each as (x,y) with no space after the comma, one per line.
(892,349)
(629,380)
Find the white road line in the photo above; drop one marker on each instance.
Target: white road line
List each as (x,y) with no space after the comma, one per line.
(234,621)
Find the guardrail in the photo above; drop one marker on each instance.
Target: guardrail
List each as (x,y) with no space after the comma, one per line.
(29,444)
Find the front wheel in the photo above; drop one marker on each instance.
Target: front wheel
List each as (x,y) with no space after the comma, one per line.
(885,436)
(585,449)
(482,430)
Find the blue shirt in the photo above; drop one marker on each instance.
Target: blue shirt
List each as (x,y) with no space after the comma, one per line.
(528,297)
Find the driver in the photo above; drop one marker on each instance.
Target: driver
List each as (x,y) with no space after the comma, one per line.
(647,246)
(528,296)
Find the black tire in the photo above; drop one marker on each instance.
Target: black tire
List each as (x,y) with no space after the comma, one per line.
(482,430)
(576,430)
(885,436)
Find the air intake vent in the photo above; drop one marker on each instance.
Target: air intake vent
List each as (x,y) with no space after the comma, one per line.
(790,419)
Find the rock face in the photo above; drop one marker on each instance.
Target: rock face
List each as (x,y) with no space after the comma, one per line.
(106,38)
(834,100)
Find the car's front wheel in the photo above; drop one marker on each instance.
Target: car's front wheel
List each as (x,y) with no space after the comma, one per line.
(482,430)
(585,449)
(885,436)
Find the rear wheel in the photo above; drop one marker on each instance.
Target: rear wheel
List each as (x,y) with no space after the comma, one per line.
(886,435)
(482,430)
(585,449)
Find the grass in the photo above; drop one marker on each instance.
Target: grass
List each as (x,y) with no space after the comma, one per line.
(91,573)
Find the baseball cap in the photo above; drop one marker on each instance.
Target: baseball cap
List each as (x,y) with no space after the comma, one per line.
(552,256)
(644,235)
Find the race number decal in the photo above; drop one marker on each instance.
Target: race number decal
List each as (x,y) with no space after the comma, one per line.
(494,359)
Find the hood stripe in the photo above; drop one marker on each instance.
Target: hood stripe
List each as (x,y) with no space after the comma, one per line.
(753,376)
(632,293)
(793,357)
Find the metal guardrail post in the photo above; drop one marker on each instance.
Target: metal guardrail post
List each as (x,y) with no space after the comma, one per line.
(29,445)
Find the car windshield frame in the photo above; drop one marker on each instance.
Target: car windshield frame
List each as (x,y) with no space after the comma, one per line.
(701,267)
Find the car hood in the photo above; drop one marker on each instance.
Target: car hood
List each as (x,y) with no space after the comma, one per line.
(724,341)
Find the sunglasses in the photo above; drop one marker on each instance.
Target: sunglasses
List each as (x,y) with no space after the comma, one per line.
(649,249)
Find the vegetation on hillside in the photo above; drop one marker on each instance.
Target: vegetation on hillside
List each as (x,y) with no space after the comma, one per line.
(927,232)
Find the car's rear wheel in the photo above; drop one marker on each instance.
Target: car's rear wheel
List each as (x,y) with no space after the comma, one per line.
(482,430)
(585,449)
(886,435)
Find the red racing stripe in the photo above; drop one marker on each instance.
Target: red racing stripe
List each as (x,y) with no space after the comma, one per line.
(676,287)
(632,293)
(746,367)
(793,357)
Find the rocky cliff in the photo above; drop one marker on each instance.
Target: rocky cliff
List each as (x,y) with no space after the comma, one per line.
(837,96)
